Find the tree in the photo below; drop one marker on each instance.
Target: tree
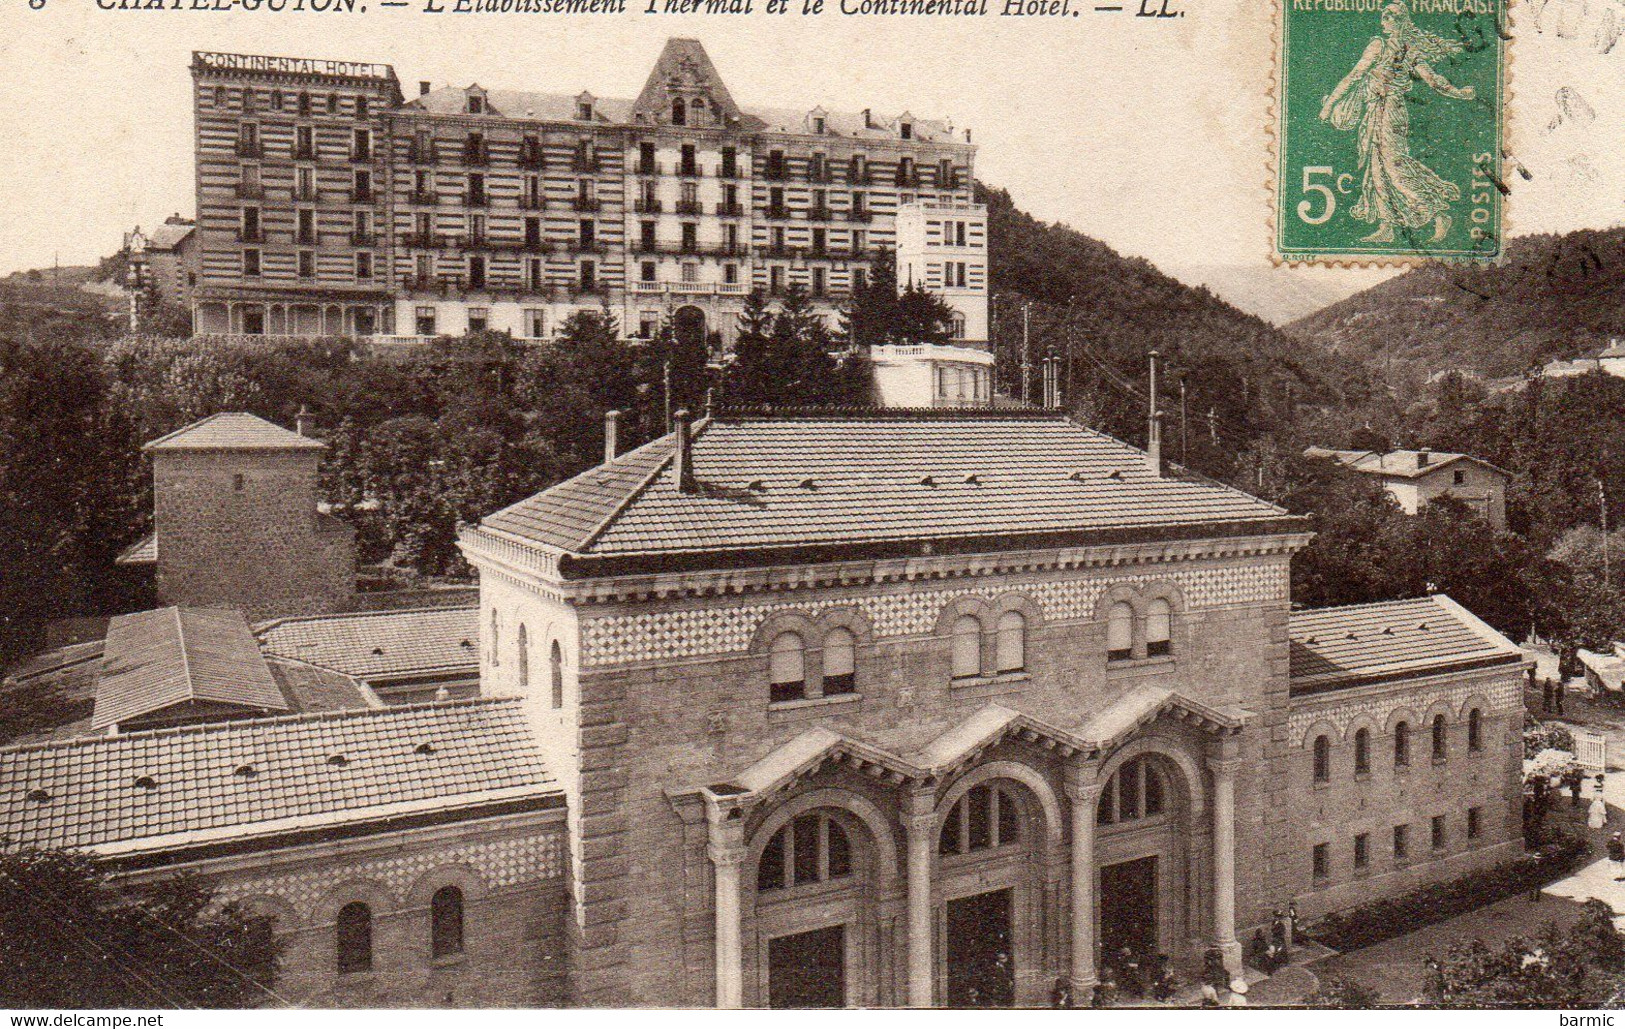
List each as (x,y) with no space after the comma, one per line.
(1343,993)
(880,313)
(1557,968)
(70,937)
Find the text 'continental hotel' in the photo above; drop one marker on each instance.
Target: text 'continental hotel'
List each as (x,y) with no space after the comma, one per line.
(329,204)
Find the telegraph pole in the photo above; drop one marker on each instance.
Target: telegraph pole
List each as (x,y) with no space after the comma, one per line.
(1602,510)
(1026,354)
(1184,456)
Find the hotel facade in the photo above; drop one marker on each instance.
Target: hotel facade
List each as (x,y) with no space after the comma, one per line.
(331,204)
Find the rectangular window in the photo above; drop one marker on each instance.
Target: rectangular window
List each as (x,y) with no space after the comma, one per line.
(425,321)
(479,319)
(730,162)
(476,272)
(304,145)
(535,323)
(307,264)
(818,284)
(363,265)
(1362,851)
(1402,843)
(251,263)
(730,273)
(1475,822)
(589,276)
(589,233)
(361,146)
(1322,860)
(648,324)
(646,271)
(534,274)
(1438,832)
(360,107)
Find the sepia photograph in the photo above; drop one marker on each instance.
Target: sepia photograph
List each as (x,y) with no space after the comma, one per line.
(800,504)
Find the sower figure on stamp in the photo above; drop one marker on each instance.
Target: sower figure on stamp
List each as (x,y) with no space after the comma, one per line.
(1397,191)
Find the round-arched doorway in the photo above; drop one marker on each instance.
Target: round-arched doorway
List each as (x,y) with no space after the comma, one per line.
(689,325)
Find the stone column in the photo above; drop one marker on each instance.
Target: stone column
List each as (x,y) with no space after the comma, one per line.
(727,851)
(1222,762)
(920,823)
(1083,793)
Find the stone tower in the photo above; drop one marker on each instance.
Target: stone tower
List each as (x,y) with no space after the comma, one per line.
(236,524)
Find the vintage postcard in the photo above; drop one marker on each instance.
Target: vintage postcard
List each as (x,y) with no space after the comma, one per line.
(805,504)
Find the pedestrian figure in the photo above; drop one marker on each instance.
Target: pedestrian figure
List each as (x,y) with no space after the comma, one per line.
(1597,814)
(1557,695)
(1259,949)
(1213,970)
(1060,997)
(1210,996)
(1291,927)
(1616,857)
(1238,993)
(1162,988)
(1573,778)
(1545,696)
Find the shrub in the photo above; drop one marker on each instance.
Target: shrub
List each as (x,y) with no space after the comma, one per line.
(1539,736)
(1384,919)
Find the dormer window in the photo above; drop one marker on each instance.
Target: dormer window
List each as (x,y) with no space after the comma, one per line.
(906,130)
(476,105)
(819,126)
(679,112)
(584,107)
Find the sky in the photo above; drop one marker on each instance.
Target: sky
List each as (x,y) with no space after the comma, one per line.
(1149,134)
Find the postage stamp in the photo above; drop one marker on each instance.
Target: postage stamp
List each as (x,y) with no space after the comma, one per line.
(1389,133)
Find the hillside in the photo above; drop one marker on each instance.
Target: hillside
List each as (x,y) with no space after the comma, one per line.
(1109,311)
(1555,297)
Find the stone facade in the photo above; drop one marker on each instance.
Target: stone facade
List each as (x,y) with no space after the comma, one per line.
(510,871)
(239,528)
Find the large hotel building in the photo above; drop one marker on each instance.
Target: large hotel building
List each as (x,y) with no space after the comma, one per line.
(330,204)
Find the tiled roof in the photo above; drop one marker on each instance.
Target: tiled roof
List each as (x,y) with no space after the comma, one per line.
(157,659)
(309,689)
(168,236)
(234,430)
(143,551)
(383,644)
(871,477)
(1340,646)
(1397,464)
(229,781)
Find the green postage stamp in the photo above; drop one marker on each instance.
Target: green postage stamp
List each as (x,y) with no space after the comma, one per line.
(1388,144)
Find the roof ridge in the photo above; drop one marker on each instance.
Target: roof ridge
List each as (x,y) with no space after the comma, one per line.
(277,623)
(637,491)
(238,723)
(206,419)
(1365,604)
(899,414)
(186,660)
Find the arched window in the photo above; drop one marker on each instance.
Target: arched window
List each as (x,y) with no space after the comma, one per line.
(1439,738)
(1475,730)
(446,922)
(840,656)
(1134,792)
(787,668)
(1159,628)
(1323,759)
(1402,745)
(679,112)
(1120,632)
(813,848)
(524,657)
(967,647)
(1012,642)
(496,637)
(555,673)
(354,938)
(984,818)
(1362,752)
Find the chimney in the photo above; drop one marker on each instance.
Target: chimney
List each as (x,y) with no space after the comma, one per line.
(1422,459)
(967,135)
(868,119)
(304,423)
(612,426)
(685,452)
(424,86)
(1153,446)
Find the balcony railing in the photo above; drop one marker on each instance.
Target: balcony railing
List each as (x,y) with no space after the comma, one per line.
(726,210)
(820,176)
(476,199)
(645,246)
(860,214)
(818,214)
(728,171)
(648,206)
(250,191)
(305,194)
(585,205)
(584,164)
(777,211)
(689,207)
(304,153)
(423,240)
(690,171)
(306,239)
(361,156)
(859,177)
(249,148)
(420,154)
(781,250)
(532,157)
(587,246)
(776,173)
(647,168)
(910,179)
(425,198)
(362,196)
(477,156)
(359,238)
(535,246)
(251,235)
(532,203)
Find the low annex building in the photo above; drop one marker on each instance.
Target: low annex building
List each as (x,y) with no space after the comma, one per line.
(1416,477)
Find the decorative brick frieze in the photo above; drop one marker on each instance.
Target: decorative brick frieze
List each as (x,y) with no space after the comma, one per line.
(667,635)
(1502,696)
